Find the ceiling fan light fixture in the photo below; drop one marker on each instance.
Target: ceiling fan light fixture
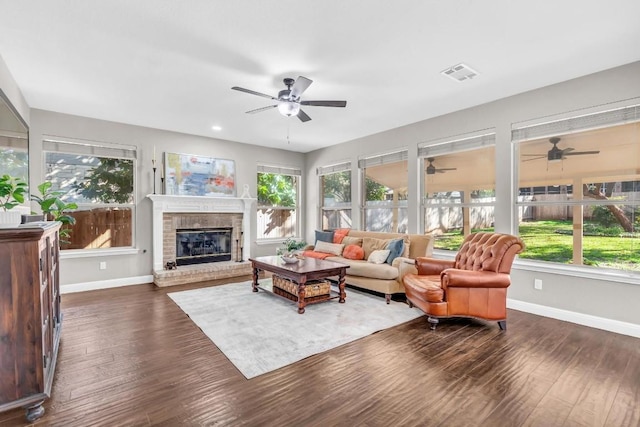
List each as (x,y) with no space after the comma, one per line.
(288,108)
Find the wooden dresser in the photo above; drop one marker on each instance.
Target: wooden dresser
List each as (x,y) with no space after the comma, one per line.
(30,315)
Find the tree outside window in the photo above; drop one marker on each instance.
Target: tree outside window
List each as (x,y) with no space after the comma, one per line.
(277,205)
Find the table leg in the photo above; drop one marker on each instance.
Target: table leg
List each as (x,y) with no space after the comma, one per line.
(301,295)
(343,294)
(254,283)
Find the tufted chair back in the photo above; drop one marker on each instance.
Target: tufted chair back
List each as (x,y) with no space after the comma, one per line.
(488,252)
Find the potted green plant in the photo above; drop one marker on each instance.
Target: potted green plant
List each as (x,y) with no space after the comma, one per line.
(54,208)
(12,191)
(288,249)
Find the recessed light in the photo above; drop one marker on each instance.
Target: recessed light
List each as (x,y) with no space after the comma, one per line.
(216,128)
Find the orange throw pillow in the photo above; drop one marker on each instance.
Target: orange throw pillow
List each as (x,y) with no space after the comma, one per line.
(339,234)
(353,252)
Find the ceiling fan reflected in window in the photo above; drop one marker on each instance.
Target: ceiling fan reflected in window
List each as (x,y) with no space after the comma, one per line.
(432,170)
(288,100)
(556,154)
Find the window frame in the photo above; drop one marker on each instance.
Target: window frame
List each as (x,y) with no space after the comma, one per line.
(575,122)
(471,141)
(321,172)
(101,150)
(396,205)
(280,170)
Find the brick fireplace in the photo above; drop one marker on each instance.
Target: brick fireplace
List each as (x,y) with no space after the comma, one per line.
(173,215)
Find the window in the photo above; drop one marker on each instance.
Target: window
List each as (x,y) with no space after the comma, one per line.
(14,156)
(100,180)
(458,188)
(385,192)
(278,200)
(578,197)
(335,197)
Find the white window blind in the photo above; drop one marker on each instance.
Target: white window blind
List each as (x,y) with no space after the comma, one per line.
(90,149)
(456,145)
(575,124)
(279,170)
(339,167)
(383,159)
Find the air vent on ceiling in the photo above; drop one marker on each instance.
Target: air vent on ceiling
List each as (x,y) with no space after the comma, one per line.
(460,72)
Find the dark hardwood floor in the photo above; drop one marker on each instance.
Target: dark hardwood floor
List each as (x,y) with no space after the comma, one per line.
(131,357)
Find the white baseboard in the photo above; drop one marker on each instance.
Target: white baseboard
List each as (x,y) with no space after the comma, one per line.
(105,284)
(616,326)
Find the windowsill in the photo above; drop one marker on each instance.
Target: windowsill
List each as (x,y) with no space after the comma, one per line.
(265,242)
(89,253)
(593,273)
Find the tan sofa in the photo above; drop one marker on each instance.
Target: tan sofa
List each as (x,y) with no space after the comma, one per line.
(385,278)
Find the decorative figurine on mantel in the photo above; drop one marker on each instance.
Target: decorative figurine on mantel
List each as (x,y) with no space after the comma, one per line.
(245,192)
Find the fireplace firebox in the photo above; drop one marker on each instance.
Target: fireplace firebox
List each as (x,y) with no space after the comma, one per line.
(196,246)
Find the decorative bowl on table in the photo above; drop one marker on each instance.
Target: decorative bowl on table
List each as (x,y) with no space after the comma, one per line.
(289,258)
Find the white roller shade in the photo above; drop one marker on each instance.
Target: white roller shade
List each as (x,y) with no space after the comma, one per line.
(383,159)
(339,167)
(280,170)
(90,149)
(575,124)
(456,145)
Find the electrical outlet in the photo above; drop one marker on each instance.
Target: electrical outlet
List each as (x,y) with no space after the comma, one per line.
(103,265)
(537,284)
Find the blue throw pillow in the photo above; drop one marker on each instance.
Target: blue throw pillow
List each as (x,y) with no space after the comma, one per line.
(324,236)
(395,247)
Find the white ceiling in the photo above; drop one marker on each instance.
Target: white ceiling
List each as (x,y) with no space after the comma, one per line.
(171,64)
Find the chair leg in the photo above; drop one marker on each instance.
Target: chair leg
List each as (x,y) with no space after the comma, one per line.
(503,325)
(387,298)
(434,322)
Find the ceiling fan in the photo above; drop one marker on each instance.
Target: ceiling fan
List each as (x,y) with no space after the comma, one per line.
(432,170)
(556,154)
(288,100)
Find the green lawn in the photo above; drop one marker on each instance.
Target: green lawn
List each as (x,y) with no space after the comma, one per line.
(552,241)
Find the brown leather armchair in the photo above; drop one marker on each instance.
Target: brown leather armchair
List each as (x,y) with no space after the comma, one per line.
(473,285)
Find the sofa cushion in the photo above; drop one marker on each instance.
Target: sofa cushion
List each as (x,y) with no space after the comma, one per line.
(353,252)
(378,256)
(396,248)
(329,248)
(363,268)
(339,234)
(325,236)
(317,255)
(348,240)
(370,244)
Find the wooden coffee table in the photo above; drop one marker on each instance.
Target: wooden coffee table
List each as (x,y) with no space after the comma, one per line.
(300,272)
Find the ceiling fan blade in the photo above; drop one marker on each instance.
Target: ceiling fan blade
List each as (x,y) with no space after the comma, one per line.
(303,116)
(575,153)
(325,103)
(257,110)
(301,84)
(253,92)
(534,158)
(533,155)
(446,169)
(568,149)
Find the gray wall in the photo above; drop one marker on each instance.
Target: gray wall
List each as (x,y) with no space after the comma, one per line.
(86,269)
(11,90)
(562,290)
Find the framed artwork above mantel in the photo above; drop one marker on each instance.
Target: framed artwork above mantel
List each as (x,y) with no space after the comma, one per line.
(193,175)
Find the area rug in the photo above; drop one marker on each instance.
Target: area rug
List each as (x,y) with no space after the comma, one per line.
(260,332)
